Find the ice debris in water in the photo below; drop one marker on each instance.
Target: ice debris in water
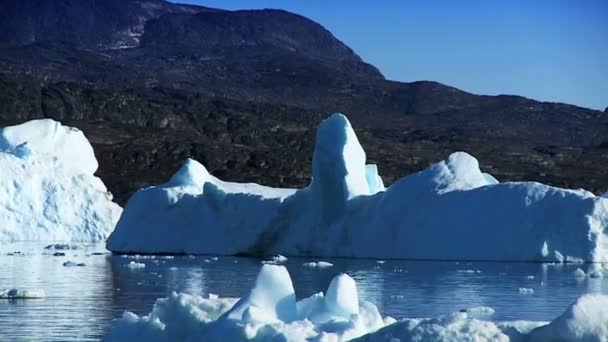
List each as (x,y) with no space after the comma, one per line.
(269,312)
(135,265)
(276,260)
(479,311)
(73,264)
(318,264)
(63,246)
(21,294)
(526,291)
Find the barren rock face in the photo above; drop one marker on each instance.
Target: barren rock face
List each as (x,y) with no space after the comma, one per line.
(152,83)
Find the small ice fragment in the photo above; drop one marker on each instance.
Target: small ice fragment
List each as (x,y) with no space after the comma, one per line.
(526,291)
(135,265)
(276,260)
(578,273)
(62,246)
(318,264)
(479,311)
(21,294)
(73,264)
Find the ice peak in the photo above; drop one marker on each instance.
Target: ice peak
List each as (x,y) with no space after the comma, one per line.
(342,298)
(192,173)
(460,172)
(338,167)
(65,145)
(272,297)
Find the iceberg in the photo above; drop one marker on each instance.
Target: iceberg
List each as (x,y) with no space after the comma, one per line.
(270,312)
(48,191)
(449,211)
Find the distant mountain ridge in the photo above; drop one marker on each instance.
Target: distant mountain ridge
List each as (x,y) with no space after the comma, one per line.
(153,82)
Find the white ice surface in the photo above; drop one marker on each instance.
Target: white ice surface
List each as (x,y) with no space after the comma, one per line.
(449,211)
(47,188)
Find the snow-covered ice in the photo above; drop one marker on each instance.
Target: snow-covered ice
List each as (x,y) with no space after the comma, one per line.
(449,211)
(270,312)
(48,191)
(585,320)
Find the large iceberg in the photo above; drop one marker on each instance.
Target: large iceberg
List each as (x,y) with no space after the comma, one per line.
(47,187)
(270,312)
(450,210)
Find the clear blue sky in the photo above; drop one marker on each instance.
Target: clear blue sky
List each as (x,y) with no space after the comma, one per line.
(551,50)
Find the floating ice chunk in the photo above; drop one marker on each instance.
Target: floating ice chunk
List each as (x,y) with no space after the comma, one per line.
(338,215)
(73,264)
(342,298)
(135,265)
(318,264)
(469,271)
(276,260)
(585,320)
(21,294)
(67,145)
(479,311)
(48,191)
(268,312)
(578,273)
(526,291)
(63,246)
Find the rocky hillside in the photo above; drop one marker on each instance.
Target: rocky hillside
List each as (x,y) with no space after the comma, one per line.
(152,82)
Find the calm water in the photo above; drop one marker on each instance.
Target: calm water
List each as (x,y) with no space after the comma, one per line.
(80,302)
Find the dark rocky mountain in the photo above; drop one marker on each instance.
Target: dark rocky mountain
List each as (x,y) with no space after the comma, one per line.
(152,83)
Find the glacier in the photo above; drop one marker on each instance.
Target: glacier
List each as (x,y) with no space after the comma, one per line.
(48,191)
(270,312)
(449,211)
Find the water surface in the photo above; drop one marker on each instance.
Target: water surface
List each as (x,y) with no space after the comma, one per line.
(80,302)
